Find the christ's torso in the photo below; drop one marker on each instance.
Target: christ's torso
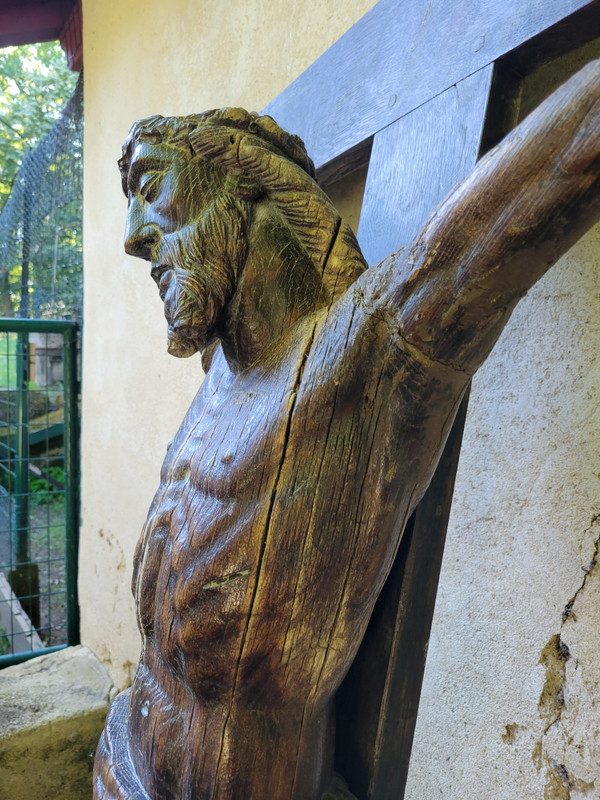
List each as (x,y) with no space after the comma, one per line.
(282,500)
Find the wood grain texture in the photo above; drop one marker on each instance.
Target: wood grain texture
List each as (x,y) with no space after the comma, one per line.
(432,148)
(398,56)
(378,702)
(417,160)
(330,393)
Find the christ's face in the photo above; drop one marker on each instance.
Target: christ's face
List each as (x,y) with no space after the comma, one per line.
(171,223)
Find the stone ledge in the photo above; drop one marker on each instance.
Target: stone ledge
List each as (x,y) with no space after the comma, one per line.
(52,713)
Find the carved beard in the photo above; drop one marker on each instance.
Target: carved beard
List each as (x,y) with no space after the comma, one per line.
(198,268)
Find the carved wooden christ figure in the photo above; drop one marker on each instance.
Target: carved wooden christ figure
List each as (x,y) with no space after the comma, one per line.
(330,391)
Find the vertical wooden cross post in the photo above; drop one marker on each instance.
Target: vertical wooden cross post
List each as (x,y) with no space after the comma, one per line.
(417,90)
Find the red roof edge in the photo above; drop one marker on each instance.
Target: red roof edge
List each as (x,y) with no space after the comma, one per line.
(71,37)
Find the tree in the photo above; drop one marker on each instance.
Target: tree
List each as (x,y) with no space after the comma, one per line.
(35,84)
(40,183)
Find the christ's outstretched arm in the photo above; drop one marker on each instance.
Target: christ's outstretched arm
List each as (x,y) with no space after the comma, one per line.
(527,201)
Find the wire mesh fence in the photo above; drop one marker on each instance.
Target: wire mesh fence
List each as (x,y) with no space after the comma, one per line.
(41,283)
(40,225)
(38,487)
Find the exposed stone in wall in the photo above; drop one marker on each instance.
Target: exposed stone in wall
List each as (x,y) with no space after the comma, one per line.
(568,752)
(52,711)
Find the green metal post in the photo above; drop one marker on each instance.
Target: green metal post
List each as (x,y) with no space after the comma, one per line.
(21,549)
(22,434)
(72,480)
(25,262)
(24,576)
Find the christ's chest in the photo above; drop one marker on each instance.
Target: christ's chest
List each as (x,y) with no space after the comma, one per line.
(229,453)
(231,443)
(217,487)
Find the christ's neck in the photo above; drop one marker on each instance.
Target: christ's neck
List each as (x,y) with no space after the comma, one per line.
(279,283)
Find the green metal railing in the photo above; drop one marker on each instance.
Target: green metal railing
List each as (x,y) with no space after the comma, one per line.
(39,487)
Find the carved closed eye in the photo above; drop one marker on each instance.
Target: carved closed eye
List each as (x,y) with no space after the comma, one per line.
(150,185)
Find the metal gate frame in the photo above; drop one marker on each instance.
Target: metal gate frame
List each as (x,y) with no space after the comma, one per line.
(70,333)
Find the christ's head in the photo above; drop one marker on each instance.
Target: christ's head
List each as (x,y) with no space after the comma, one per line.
(194,186)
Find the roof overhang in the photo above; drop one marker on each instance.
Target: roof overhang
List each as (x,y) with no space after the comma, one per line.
(28,21)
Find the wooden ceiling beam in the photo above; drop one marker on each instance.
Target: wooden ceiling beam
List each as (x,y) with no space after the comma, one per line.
(31,21)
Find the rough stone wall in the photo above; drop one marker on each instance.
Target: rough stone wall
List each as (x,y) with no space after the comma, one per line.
(511,698)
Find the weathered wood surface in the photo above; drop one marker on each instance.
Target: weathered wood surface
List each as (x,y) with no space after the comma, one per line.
(567,35)
(403,53)
(330,395)
(431,148)
(377,703)
(416,161)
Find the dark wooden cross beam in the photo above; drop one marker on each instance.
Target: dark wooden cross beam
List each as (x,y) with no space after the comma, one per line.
(418,89)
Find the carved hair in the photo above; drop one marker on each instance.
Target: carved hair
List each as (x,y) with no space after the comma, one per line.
(259,159)
(176,131)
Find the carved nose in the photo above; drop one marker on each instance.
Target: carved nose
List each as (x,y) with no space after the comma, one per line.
(142,241)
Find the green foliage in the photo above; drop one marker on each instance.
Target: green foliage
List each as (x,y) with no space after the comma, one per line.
(4,642)
(42,492)
(35,84)
(8,363)
(40,183)
(7,478)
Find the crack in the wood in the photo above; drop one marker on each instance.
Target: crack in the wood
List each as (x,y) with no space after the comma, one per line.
(310,518)
(326,439)
(357,526)
(332,242)
(286,438)
(225,579)
(428,359)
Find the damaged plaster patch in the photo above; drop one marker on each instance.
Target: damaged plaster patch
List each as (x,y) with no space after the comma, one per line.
(510,733)
(554,658)
(568,751)
(113,545)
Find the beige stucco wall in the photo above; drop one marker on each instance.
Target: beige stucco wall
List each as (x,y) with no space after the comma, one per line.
(145,58)
(523,527)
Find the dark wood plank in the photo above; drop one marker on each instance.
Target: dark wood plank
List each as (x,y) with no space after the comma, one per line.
(348,162)
(416,161)
(398,56)
(404,620)
(566,36)
(417,582)
(432,148)
(378,702)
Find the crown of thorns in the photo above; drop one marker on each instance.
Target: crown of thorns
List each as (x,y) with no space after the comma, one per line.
(188,132)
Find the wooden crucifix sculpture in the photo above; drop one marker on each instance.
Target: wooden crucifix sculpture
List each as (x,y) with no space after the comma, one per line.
(329,394)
